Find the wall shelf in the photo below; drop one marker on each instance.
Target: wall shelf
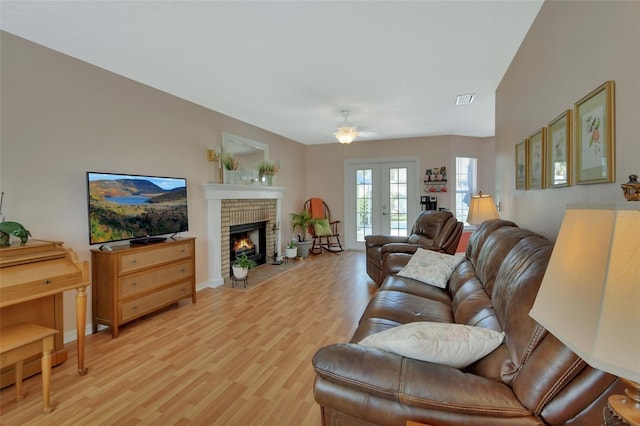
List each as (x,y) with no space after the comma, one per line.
(438,185)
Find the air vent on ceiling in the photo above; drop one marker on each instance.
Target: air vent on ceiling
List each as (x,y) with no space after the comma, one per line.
(465,99)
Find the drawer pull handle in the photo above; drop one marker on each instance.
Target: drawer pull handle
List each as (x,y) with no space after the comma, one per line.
(134,261)
(134,307)
(47,281)
(133,284)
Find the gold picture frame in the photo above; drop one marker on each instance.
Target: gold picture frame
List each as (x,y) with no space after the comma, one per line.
(536,159)
(559,162)
(521,165)
(595,136)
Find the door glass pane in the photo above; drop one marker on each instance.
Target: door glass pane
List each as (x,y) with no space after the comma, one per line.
(364,205)
(465,185)
(398,201)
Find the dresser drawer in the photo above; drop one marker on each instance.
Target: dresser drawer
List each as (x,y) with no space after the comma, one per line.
(146,304)
(141,281)
(141,259)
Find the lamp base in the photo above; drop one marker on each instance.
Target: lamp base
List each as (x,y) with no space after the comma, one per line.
(624,410)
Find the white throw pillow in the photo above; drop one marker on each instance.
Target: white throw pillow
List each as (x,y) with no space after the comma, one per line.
(431,267)
(454,345)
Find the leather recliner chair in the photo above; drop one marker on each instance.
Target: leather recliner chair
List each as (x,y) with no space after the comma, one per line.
(433,230)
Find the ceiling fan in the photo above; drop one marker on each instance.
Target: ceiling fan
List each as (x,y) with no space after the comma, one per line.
(347,131)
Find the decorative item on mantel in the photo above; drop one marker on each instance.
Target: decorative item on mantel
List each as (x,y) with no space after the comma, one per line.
(266,171)
(229,162)
(631,189)
(216,156)
(231,165)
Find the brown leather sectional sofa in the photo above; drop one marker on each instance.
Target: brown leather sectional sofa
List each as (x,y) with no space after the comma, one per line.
(530,379)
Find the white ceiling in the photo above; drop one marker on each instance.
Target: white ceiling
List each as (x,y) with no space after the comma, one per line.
(291,66)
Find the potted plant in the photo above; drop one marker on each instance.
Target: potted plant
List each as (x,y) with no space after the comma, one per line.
(241,265)
(266,170)
(292,250)
(302,221)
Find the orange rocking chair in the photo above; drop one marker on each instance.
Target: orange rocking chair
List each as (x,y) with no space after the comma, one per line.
(325,232)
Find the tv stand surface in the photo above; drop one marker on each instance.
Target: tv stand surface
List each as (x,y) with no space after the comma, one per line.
(146,240)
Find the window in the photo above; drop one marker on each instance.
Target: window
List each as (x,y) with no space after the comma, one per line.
(466,183)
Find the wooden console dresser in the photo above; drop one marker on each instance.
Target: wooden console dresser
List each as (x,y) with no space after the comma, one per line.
(132,281)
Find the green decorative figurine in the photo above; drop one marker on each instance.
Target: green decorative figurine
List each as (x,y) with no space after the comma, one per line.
(13,228)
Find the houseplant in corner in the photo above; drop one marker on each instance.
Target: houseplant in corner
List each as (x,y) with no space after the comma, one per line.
(302,221)
(241,266)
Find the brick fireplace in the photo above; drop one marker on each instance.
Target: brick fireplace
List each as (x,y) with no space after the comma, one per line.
(231,205)
(246,212)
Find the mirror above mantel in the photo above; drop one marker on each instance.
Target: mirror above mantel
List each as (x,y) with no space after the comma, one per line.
(249,154)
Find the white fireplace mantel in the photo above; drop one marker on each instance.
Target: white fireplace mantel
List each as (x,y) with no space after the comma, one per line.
(214,194)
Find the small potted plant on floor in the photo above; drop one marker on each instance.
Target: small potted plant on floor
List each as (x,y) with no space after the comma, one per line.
(292,250)
(241,266)
(301,222)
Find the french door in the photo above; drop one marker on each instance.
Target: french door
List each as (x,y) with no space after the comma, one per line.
(381,198)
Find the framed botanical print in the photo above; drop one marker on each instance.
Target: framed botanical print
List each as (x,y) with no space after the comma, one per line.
(559,171)
(521,165)
(536,171)
(595,136)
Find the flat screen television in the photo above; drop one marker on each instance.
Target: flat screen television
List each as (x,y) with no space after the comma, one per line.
(134,207)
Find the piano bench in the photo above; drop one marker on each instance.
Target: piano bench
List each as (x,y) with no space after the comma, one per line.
(21,341)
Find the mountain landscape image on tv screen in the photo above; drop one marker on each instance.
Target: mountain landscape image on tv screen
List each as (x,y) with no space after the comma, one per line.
(129,206)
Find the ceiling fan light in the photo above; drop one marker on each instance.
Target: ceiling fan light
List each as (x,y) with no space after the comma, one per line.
(346,135)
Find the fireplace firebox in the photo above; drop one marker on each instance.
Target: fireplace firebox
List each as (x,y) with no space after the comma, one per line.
(250,239)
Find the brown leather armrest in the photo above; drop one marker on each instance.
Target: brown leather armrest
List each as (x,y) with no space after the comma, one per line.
(380,240)
(395,262)
(398,248)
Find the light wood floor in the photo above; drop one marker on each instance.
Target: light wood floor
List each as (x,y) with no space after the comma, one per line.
(233,358)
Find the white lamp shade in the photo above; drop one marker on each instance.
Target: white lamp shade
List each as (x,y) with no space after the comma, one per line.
(590,294)
(481,208)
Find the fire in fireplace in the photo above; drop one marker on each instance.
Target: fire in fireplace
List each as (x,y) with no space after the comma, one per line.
(243,244)
(250,239)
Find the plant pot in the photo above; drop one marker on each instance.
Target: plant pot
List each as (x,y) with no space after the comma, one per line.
(239,272)
(291,253)
(303,248)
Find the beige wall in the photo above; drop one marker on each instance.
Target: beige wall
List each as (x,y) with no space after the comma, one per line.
(571,49)
(326,164)
(62,117)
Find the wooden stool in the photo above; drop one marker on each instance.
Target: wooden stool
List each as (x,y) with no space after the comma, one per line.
(21,341)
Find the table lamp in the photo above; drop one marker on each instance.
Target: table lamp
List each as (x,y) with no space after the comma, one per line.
(481,208)
(590,294)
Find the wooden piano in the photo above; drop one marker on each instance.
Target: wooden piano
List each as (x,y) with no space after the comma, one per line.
(32,280)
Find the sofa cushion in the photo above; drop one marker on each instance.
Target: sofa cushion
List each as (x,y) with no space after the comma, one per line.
(403,308)
(453,345)
(415,287)
(322,228)
(431,267)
